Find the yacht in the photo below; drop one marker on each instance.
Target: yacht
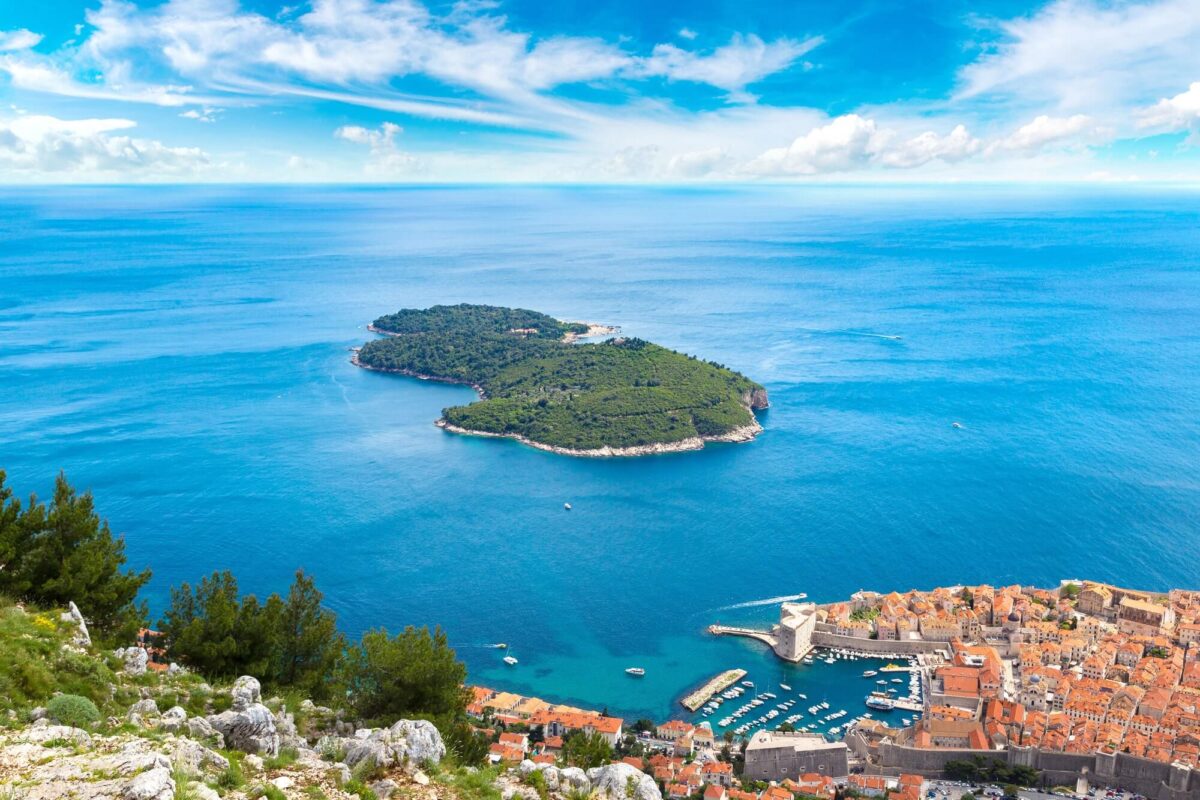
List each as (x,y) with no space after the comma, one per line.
(636,672)
(897,680)
(785,687)
(870,673)
(566,506)
(880,702)
(510,660)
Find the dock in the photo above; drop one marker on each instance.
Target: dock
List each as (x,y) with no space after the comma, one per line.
(766,637)
(717,684)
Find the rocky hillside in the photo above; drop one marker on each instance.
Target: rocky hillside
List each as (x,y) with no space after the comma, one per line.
(112,729)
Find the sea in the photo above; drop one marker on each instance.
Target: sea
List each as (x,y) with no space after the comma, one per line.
(183,353)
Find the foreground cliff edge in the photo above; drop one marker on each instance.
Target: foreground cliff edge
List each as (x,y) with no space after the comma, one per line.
(540,384)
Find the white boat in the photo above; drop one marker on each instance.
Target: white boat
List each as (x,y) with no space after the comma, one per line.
(870,673)
(957,425)
(747,683)
(566,506)
(785,687)
(636,672)
(510,660)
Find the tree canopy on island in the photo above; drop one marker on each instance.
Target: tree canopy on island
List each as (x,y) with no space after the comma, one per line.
(618,393)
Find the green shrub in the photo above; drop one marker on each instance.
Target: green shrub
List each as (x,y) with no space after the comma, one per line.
(231,777)
(268,792)
(359,788)
(73,710)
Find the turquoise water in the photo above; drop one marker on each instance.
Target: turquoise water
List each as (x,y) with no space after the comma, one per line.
(183,353)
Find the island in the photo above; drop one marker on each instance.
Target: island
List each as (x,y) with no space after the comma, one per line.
(541,382)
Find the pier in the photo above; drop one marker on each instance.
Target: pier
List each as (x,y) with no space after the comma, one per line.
(718,684)
(766,637)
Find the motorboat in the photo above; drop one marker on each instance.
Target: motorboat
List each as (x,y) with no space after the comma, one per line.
(636,672)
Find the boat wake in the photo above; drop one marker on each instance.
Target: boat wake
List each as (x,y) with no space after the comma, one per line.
(770,601)
(889,337)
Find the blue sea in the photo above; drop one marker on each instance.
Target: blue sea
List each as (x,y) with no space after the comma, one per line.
(183,353)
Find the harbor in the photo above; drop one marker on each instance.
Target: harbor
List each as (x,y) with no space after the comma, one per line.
(827,693)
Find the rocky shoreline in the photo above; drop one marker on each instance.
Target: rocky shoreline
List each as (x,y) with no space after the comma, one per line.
(736,436)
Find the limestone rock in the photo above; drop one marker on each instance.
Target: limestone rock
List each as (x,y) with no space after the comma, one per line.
(574,779)
(622,781)
(384,789)
(38,713)
(80,636)
(549,772)
(135,659)
(173,719)
(144,708)
(201,791)
(253,762)
(40,734)
(200,730)
(249,726)
(410,742)
(195,757)
(155,784)
(283,782)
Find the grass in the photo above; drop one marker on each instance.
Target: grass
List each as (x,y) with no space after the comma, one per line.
(475,784)
(34,666)
(287,756)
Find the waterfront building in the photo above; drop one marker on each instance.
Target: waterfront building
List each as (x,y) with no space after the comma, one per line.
(1136,616)
(773,756)
(793,634)
(560,723)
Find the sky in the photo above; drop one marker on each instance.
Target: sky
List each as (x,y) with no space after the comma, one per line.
(639,91)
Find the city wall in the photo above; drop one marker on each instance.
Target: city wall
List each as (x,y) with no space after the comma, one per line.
(824,636)
(1154,779)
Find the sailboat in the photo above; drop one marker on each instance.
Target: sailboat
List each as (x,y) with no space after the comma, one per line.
(510,659)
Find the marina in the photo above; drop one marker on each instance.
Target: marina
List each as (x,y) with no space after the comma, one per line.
(827,695)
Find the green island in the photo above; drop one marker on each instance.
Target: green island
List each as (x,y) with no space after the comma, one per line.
(537,383)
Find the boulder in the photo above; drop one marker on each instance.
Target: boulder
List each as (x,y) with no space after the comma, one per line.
(134,658)
(201,791)
(173,719)
(38,713)
(144,708)
(283,782)
(196,757)
(155,784)
(40,733)
(249,726)
(410,742)
(574,779)
(199,729)
(622,781)
(80,636)
(384,789)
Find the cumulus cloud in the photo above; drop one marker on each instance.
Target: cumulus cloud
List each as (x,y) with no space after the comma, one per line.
(1173,113)
(385,158)
(20,39)
(36,145)
(1043,130)
(845,143)
(930,146)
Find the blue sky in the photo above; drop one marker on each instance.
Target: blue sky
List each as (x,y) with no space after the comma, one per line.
(700,91)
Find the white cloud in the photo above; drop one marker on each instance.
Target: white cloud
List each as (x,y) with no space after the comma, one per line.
(930,146)
(39,146)
(732,67)
(1173,113)
(687,33)
(1043,130)
(846,142)
(204,114)
(385,159)
(698,163)
(18,40)
(1089,54)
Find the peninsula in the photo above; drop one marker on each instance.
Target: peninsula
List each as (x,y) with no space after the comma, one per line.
(540,384)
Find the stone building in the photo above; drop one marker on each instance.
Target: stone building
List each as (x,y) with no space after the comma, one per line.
(774,756)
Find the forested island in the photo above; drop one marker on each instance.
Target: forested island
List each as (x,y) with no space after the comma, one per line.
(622,396)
